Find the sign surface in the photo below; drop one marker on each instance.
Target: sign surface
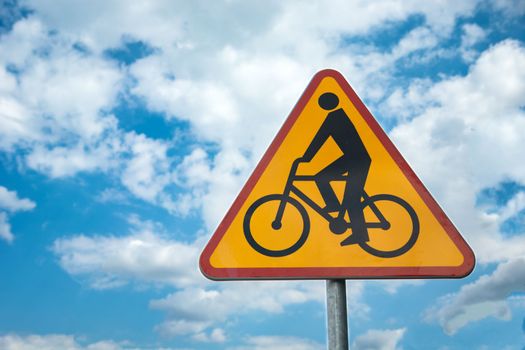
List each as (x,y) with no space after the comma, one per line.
(333,198)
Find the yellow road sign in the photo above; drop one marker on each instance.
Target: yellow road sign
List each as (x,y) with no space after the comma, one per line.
(333,198)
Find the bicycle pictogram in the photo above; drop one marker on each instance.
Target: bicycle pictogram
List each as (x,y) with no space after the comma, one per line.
(352,168)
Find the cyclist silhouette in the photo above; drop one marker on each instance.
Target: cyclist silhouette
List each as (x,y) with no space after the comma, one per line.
(388,216)
(355,161)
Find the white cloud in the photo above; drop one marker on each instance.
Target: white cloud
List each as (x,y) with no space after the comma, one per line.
(58,162)
(473,127)
(13,341)
(55,108)
(472,34)
(173,328)
(19,44)
(14,121)
(200,308)
(148,171)
(513,8)
(212,182)
(217,304)
(52,342)
(233,85)
(56,102)
(161,22)
(375,339)
(5,228)
(112,195)
(11,203)
(418,39)
(239,101)
(393,286)
(103,24)
(514,205)
(486,297)
(275,342)
(56,105)
(217,335)
(56,90)
(143,256)
(223,101)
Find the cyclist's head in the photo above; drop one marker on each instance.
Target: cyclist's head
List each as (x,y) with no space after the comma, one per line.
(328,101)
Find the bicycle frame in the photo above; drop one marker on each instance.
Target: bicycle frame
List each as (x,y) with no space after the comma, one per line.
(291,188)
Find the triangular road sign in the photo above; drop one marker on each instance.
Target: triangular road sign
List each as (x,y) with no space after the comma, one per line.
(333,198)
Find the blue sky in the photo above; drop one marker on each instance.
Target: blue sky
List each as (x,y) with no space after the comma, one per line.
(127,128)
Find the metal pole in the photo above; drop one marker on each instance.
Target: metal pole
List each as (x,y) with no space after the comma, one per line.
(336,314)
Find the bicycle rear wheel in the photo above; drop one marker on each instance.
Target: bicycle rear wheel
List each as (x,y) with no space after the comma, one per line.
(400,231)
(270,239)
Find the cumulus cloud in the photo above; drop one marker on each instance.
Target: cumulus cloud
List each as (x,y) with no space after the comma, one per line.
(5,228)
(197,309)
(146,256)
(376,339)
(9,204)
(419,38)
(56,108)
(150,22)
(216,335)
(53,342)
(217,304)
(148,170)
(472,34)
(239,101)
(56,98)
(472,126)
(274,342)
(222,101)
(233,85)
(112,195)
(143,256)
(512,8)
(486,297)
(60,161)
(393,286)
(194,310)
(10,201)
(52,90)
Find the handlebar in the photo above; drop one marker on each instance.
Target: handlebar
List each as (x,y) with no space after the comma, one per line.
(295,165)
(293,174)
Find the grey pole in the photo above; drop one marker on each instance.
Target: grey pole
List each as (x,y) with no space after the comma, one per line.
(336,314)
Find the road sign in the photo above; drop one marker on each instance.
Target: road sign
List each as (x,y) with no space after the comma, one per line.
(333,198)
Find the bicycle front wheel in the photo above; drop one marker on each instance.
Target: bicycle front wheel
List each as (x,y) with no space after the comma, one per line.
(397,234)
(272,239)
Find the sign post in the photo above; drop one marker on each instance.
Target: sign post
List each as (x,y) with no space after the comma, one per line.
(333,199)
(336,314)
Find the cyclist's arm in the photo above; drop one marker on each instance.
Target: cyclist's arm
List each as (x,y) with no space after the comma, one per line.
(322,135)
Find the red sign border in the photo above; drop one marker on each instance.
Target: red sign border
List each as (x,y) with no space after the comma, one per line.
(239,273)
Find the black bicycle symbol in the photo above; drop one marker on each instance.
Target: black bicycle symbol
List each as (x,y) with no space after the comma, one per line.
(336,225)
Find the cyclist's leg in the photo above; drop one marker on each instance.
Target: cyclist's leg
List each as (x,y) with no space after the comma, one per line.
(352,202)
(338,167)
